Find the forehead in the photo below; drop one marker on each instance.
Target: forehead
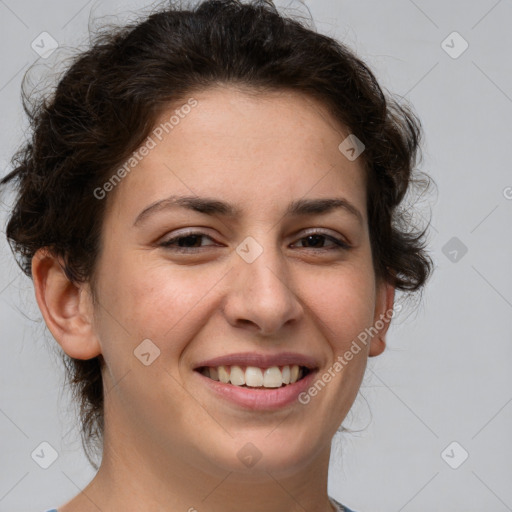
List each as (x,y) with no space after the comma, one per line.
(252,120)
(265,148)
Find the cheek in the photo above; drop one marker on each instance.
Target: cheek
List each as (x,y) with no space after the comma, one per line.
(342,301)
(158,300)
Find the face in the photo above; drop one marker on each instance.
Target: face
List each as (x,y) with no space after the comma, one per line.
(184,286)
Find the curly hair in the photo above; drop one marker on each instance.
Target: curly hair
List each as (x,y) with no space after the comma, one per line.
(111,95)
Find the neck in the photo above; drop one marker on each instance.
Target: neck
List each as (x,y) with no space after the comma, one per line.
(138,474)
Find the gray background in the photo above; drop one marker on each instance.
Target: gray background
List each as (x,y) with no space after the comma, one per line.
(445,375)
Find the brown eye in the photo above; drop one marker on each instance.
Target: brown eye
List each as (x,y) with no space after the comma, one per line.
(317,240)
(185,241)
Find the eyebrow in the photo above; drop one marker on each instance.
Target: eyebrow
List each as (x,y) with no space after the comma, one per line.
(212,206)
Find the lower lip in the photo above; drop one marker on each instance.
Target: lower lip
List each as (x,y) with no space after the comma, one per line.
(260,399)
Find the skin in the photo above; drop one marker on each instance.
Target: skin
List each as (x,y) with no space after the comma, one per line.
(170,444)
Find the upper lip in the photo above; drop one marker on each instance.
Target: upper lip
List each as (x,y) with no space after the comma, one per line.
(260,360)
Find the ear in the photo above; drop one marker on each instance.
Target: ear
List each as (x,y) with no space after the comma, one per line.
(382,319)
(67,308)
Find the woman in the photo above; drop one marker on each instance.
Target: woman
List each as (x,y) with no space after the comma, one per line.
(208,209)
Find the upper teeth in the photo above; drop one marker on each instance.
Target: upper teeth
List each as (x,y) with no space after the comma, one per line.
(273,377)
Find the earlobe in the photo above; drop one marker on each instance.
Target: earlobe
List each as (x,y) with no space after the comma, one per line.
(382,318)
(66,307)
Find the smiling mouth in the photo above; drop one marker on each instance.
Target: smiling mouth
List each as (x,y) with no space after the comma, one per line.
(254,377)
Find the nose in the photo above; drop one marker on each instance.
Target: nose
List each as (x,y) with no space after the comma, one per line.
(261,295)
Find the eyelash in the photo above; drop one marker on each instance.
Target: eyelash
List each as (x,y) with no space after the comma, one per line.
(339,245)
